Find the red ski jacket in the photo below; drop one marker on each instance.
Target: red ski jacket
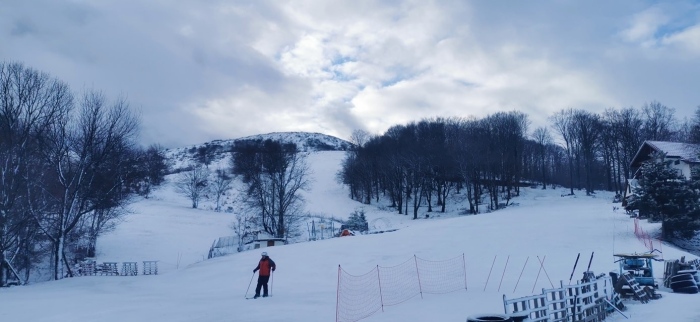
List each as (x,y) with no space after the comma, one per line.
(265,265)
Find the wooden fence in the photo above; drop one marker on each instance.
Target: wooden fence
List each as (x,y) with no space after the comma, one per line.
(91,267)
(580,302)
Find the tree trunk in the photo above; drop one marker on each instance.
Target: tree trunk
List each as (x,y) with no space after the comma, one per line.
(58,257)
(3,277)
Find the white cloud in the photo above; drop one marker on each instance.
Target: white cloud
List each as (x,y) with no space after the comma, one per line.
(643,26)
(687,39)
(221,69)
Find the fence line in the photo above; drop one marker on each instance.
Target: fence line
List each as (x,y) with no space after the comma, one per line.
(399,283)
(358,296)
(644,237)
(361,296)
(91,267)
(223,246)
(580,302)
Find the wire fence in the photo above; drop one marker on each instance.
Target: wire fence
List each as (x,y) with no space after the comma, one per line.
(645,238)
(223,246)
(361,296)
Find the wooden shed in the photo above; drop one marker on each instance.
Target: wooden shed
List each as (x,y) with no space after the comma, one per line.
(265,240)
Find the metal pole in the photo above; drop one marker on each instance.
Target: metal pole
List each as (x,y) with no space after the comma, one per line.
(464,267)
(381,296)
(337,298)
(487,278)
(545,270)
(504,274)
(420,287)
(521,275)
(574,269)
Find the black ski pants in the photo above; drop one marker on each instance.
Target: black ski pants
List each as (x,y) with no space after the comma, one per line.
(262,282)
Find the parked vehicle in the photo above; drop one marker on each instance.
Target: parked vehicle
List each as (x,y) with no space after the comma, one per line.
(639,266)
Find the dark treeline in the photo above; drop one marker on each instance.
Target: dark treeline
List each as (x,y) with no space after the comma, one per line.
(485,161)
(68,165)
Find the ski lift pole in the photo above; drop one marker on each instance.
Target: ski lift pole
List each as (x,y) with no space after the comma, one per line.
(574,270)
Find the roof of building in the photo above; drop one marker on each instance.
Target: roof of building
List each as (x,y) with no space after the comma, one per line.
(687,152)
(262,236)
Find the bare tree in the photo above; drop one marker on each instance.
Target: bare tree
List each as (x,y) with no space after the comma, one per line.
(85,163)
(152,168)
(543,139)
(30,102)
(358,167)
(694,135)
(93,225)
(659,121)
(220,185)
(244,226)
(563,123)
(193,184)
(274,174)
(628,126)
(359,137)
(588,129)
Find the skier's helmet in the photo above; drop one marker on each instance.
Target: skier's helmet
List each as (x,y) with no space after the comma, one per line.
(264,254)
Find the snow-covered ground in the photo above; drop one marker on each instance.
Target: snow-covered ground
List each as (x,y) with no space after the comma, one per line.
(189,288)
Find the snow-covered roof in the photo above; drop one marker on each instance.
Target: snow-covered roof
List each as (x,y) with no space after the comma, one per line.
(265,236)
(685,151)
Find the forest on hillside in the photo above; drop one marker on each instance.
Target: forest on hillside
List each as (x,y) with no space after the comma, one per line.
(419,164)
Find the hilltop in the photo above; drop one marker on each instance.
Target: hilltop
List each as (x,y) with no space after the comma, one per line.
(218,150)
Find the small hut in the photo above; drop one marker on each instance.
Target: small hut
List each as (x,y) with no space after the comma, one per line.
(264,240)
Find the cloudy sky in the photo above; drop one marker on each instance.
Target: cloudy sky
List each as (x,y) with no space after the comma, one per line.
(219,69)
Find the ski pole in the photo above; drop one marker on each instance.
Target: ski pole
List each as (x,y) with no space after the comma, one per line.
(272,280)
(589,262)
(251,282)
(574,270)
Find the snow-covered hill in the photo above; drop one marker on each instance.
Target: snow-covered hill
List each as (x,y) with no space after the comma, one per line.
(218,150)
(500,250)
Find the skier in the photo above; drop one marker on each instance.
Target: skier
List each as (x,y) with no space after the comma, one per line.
(266,265)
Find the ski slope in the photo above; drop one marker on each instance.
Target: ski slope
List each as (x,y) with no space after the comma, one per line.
(541,224)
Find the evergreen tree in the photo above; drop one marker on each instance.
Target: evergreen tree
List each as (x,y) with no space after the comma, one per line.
(666,195)
(357,221)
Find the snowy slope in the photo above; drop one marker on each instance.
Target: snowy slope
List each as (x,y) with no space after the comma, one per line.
(164,228)
(219,150)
